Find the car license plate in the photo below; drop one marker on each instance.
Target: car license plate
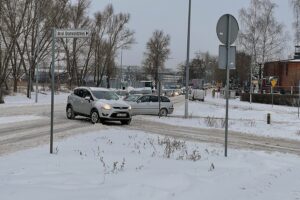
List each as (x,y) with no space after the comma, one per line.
(121,115)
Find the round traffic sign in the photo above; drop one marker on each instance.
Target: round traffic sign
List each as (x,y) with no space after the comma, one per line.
(227,29)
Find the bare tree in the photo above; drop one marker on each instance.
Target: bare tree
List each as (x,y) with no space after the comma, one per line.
(261,35)
(118,36)
(202,66)
(100,45)
(45,15)
(111,35)
(5,52)
(157,52)
(49,13)
(296,9)
(27,24)
(78,52)
(13,14)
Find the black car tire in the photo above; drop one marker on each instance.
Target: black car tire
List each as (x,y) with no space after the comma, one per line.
(163,112)
(70,112)
(125,122)
(94,116)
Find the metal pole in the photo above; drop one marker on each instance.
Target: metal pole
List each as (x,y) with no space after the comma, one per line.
(272,94)
(52,89)
(251,88)
(121,68)
(298,99)
(29,71)
(187,64)
(227,82)
(159,91)
(37,55)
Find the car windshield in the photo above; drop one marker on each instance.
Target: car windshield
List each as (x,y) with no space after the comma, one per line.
(108,95)
(121,93)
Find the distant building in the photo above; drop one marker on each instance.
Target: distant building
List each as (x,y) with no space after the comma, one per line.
(287,72)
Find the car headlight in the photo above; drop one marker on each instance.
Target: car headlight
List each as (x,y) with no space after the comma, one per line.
(106,106)
(129,108)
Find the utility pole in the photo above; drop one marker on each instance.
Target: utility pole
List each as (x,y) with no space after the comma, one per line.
(187,64)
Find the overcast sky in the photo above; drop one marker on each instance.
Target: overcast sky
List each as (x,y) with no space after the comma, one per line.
(171,17)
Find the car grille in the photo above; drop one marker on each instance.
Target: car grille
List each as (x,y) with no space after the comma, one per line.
(121,108)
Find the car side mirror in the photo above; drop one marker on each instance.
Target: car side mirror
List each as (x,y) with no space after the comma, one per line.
(138,101)
(88,98)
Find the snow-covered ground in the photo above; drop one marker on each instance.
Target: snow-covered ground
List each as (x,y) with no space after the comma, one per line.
(19,118)
(19,99)
(243,117)
(116,163)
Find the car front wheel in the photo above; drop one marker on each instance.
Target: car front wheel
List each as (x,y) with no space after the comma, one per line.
(70,113)
(94,116)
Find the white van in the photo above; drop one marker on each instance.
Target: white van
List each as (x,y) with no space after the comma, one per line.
(197,94)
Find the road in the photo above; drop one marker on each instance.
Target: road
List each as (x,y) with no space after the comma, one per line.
(32,133)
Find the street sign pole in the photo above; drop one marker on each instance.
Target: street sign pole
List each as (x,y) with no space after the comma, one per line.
(52,89)
(273,84)
(227,82)
(272,95)
(61,33)
(227,30)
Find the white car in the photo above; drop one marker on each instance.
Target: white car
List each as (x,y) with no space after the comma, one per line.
(149,105)
(100,104)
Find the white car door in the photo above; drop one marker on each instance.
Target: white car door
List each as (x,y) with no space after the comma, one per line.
(78,93)
(141,107)
(86,105)
(154,105)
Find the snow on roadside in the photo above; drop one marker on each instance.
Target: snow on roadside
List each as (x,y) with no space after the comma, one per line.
(19,118)
(119,164)
(43,98)
(243,117)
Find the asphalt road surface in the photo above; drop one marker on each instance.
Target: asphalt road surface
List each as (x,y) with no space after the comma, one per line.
(26,134)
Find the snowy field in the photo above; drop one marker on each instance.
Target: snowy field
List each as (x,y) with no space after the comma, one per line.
(116,163)
(43,98)
(243,117)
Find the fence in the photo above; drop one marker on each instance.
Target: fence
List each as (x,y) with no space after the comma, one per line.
(278,99)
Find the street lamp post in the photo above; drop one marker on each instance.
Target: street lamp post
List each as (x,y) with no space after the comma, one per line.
(187,64)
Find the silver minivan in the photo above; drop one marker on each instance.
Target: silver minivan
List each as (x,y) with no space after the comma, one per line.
(100,104)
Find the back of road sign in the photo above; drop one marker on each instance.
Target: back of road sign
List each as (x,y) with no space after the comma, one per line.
(226,22)
(222,57)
